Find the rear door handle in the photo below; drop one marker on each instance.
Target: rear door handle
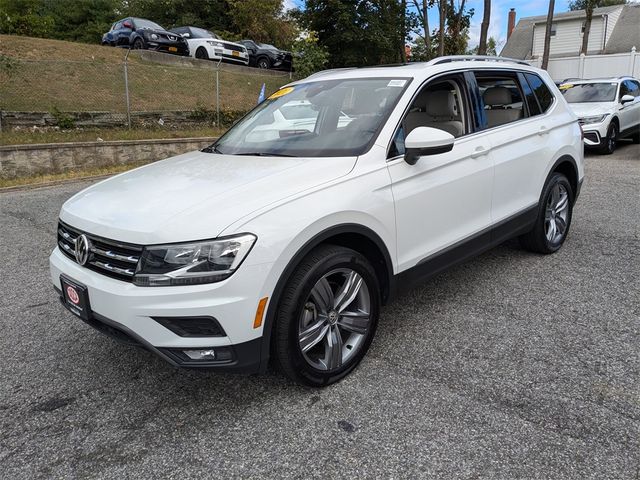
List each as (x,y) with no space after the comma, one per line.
(480,152)
(543,130)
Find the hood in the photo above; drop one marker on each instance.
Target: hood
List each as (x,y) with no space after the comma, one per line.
(193,196)
(591,109)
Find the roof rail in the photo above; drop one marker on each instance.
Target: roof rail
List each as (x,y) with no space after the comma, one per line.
(475,58)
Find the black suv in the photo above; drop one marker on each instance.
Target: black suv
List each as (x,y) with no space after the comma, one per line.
(144,34)
(263,55)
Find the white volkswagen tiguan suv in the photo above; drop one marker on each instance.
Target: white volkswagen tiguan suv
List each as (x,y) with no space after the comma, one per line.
(608,109)
(285,249)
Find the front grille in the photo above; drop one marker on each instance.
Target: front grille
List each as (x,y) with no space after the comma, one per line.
(108,257)
(236,48)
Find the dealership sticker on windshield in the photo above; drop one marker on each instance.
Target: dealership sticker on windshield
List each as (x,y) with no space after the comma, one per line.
(396,83)
(281,92)
(566,86)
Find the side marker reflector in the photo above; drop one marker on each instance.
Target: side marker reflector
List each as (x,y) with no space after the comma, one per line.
(262,304)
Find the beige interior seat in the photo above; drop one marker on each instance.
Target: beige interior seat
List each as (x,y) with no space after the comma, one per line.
(439,112)
(497,99)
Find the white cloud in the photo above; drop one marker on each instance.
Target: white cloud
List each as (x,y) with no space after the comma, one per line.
(497,24)
(289,4)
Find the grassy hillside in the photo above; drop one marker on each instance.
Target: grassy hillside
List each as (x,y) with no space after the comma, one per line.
(48,75)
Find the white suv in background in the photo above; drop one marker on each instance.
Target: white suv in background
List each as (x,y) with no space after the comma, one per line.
(608,109)
(287,248)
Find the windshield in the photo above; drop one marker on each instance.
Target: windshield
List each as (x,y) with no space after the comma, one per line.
(589,92)
(317,119)
(202,33)
(140,23)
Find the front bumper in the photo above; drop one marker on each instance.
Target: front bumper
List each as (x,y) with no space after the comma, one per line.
(128,313)
(172,48)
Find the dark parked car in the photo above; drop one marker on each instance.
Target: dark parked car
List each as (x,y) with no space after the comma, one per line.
(263,55)
(144,34)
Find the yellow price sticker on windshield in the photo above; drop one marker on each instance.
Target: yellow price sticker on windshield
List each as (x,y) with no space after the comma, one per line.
(566,86)
(280,93)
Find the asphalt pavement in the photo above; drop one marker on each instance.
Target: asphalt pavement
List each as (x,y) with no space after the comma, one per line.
(513,365)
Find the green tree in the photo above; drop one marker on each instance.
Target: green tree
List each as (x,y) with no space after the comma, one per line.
(82,20)
(491,49)
(456,33)
(26,17)
(359,32)
(310,57)
(211,14)
(263,21)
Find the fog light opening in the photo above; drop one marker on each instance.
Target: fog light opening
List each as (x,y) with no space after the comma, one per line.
(200,354)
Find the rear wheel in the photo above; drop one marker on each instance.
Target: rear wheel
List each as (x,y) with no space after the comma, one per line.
(327,316)
(611,141)
(554,217)
(202,54)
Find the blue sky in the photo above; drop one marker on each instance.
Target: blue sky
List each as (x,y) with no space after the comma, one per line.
(499,14)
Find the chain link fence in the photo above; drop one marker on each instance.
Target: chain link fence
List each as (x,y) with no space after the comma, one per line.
(139,89)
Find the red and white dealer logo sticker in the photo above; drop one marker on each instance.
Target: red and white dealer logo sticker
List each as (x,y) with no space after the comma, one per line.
(73,295)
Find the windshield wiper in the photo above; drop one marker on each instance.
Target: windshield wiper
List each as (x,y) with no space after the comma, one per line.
(263,154)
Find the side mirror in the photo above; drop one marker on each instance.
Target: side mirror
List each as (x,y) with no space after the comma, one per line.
(626,99)
(426,141)
(186,35)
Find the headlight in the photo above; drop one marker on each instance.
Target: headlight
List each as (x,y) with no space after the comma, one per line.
(215,44)
(192,263)
(595,119)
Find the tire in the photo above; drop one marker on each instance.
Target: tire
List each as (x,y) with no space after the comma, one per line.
(334,343)
(610,141)
(138,44)
(263,62)
(554,217)
(202,54)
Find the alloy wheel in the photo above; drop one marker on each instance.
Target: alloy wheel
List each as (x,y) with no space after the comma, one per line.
(556,214)
(612,139)
(335,319)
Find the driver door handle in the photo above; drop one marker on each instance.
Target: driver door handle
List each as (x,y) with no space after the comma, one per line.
(543,130)
(480,152)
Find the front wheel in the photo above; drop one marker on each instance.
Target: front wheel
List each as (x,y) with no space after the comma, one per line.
(138,44)
(611,141)
(554,217)
(202,54)
(327,316)
(264,63)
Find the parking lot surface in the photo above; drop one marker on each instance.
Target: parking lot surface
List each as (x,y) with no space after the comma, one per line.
(513,365)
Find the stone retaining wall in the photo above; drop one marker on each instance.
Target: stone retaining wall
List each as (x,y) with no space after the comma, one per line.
(28,160)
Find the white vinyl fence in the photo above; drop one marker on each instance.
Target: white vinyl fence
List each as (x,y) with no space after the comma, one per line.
(593,66)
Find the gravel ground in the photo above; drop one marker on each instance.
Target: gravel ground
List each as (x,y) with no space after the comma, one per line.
(510,366)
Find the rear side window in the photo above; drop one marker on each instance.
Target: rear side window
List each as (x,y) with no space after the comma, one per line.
(502,99)
(541,91)
(532,102)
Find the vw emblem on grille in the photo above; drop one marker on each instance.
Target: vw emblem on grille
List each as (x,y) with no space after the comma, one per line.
(82,247)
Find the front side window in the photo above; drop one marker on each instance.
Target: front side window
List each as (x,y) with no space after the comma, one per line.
(501,97)
(141,23)
(316,119)
(589,92)
(440,104)
(202,33)
(541,91)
